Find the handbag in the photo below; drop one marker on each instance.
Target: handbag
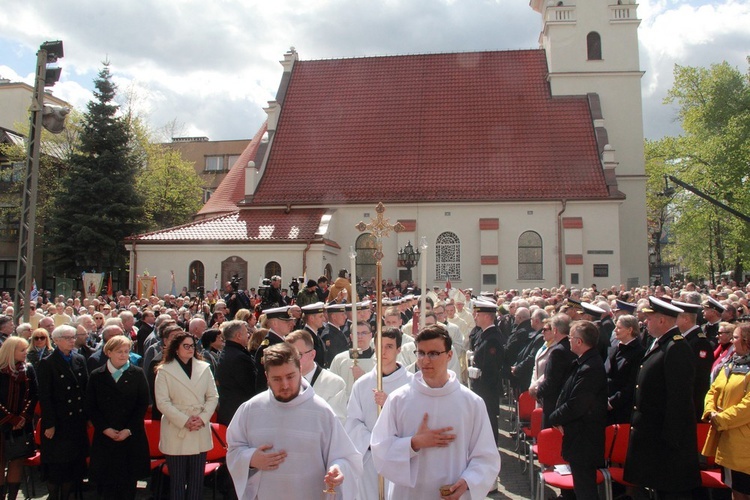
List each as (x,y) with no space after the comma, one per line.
(18,444)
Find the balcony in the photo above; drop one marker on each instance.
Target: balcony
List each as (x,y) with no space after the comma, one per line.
(561,14)
(623,13)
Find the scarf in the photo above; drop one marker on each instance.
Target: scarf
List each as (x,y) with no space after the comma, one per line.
(117,372)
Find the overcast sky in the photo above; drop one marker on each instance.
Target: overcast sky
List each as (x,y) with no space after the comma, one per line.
(212,65)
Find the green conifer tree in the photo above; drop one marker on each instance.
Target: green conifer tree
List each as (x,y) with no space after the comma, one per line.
(98,205)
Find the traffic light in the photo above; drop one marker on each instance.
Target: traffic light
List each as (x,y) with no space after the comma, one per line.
(53,118)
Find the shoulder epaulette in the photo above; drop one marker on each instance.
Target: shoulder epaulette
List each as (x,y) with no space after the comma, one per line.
(265,342)
(702,336)
(678,337)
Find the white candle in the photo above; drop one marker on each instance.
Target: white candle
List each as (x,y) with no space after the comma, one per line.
(353,261)
(423,283)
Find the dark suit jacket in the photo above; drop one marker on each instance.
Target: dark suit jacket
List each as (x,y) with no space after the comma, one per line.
(235,380)
(663,441)
(488,357)
(582,410)
(556,371)
(144,330)
(622,369)
(272,338)
(525,361)
(606,327)
(335,341)
(703,354)
(515,344)
(97,359)
(320,350)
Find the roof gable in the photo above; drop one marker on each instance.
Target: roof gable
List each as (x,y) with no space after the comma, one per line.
(427,128)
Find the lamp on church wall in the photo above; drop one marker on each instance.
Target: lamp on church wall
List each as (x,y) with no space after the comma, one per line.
(408,258)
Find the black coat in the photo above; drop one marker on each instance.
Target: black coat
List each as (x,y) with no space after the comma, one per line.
(488,357)
(96,360)
(662,453)
(334,341)
(320,350)
(622,369)
(272,338)
(518,339)
(235,380)
(118,405)
(525,361)
(582,410)
(556,371)
(62,393)
(34,357)
(606,327)
(703,354)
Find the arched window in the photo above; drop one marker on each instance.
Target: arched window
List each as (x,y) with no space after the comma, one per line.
(366,262)
(273,268)
(594,46)
(447,257)
(530,261)
(196,275)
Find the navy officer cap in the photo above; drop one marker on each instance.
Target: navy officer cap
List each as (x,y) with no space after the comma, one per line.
(621,305)
(688,308)
(658,306)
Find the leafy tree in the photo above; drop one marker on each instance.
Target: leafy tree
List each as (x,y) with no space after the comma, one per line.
(714,156)
(98,205)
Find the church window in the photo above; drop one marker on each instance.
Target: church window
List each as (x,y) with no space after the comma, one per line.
(273,268)
(366,262)
(530,262)
(447,257)
(196,275)
(594,46)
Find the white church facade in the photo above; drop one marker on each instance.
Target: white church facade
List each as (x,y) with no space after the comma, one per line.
(520,168)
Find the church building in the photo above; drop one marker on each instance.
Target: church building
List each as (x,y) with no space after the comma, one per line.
(520,168)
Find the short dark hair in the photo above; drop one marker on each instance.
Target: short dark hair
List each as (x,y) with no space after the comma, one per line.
(434,332)
(209,337)
(363,323)
(393,333)
(587,330)
(279,355)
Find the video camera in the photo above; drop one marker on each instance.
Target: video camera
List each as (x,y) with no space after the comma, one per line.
(235,281)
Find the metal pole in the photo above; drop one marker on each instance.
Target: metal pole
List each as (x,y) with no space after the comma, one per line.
(378,346)
(27,229)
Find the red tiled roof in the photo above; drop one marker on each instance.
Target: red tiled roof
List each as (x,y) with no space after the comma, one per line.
(232,187)
(428,128)
(244,225)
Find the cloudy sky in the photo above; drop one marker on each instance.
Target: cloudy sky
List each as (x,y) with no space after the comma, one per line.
(210,66)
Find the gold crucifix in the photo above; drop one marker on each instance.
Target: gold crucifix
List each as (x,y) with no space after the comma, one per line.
(380,227)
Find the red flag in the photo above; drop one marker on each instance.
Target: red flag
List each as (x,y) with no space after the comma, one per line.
(109,285)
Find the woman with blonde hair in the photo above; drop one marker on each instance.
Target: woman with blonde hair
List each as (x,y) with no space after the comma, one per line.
(41,347)
(728,410)
(18,397)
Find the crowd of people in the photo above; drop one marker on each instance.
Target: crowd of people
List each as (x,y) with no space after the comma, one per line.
(295,381)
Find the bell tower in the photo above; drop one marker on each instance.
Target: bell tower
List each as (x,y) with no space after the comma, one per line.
(592,47)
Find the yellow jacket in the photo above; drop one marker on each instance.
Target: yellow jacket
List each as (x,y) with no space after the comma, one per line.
(729,438)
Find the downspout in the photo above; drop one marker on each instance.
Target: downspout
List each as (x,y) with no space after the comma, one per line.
(133,267)
(560,251)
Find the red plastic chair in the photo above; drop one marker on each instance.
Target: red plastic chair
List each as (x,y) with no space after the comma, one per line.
(549,451)
(524,408)
(530,434)
(153,432)
(618,454)
(710,478)
(215,457)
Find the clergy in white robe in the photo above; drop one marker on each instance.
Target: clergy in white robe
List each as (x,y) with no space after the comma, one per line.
(447,420)
(343,364)
(326,384)
(362,412)
(286,442)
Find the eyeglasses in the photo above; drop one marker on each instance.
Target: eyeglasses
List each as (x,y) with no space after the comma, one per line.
(40,338)
(68,337)
(547,329)
(188,346)
(431,355)
(725,331)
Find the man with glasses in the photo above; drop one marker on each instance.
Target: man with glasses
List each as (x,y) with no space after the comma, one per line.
(325,383)
(581,412)
(343,364)
(433,438)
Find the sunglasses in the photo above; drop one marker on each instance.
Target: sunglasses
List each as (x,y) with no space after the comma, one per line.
(40,338)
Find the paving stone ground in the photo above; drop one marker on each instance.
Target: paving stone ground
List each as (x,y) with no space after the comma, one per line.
(513,482)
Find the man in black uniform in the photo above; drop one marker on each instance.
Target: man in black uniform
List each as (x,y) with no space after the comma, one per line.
(314,318)
(712,311)
(334,339)
(487,361)
(663,436)
(279,324)
(703,352)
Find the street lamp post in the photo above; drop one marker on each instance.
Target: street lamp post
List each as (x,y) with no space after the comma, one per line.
(49,53)
(408,258)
